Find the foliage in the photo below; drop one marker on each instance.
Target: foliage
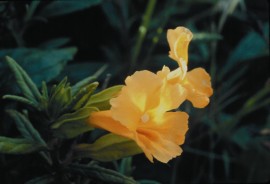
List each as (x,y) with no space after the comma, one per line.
(43,127)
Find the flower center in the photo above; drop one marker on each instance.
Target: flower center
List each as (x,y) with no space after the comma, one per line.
(145,118)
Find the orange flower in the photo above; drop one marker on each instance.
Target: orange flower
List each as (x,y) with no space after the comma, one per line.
(197,82)
(140,112)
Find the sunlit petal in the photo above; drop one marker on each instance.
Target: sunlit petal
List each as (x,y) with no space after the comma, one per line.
(178,40)
(198,85)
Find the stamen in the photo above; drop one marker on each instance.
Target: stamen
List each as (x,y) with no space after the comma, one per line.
(145,118)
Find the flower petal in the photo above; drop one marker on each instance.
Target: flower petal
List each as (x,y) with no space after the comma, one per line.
(173,127)
(173,95)
(198,85)
(141,92)
(178,40)
(154,144)
(163,140)
(104,120)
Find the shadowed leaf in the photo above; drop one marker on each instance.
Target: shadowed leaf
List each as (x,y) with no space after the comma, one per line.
(101,174)
(108,148)
(18,146)
(102,99)
(57,8)
(73,124)
(45,64)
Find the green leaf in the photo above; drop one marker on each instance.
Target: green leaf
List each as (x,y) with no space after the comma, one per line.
(46,179)
(21,100)
(57,7)
(83,96)
(73,124)
(108,148)
(226,161)
(241,137)
(148,182)
(102,99)
(25,127)
(87,80)
(60,98)
(89,71)
(112,14)
(126,166)
(45,64)
(18,146)
(101,174)
(44,90)
(55,43)
(27,86)
(251,46)
(31,10)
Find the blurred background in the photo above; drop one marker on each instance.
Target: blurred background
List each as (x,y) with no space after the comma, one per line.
(228,141)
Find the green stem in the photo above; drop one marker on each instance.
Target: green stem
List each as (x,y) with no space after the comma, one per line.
(142,31)
(31,10)
(213,56)
(159,32)
(15,33)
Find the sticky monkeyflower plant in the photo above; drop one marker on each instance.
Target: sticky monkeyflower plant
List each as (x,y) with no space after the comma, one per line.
(141,110)
(141,116)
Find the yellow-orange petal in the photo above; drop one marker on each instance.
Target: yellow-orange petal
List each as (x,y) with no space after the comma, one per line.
(173,126)
(142,92)
(174,76)
(162,140)
(144,89)
(173,95)
(154,144)
(198,85)
(104,120)
(178,40)
(164,72)
(145,145)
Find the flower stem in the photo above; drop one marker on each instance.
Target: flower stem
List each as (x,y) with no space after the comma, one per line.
(142,31)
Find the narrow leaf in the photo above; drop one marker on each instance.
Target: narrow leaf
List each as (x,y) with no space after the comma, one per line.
(25,127)
(73,124)
(101,174)
(18,146)
(57,8)
(226,161)
(46,179)
(60,98)
(251,46)
(45,64)
(241,137)
(28,81)
(55,43)
(148,182)
(20,79)
(126,166)
(83,96)
(88,80)
(44,90)
(108,148)
(21,100)
(102,99)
